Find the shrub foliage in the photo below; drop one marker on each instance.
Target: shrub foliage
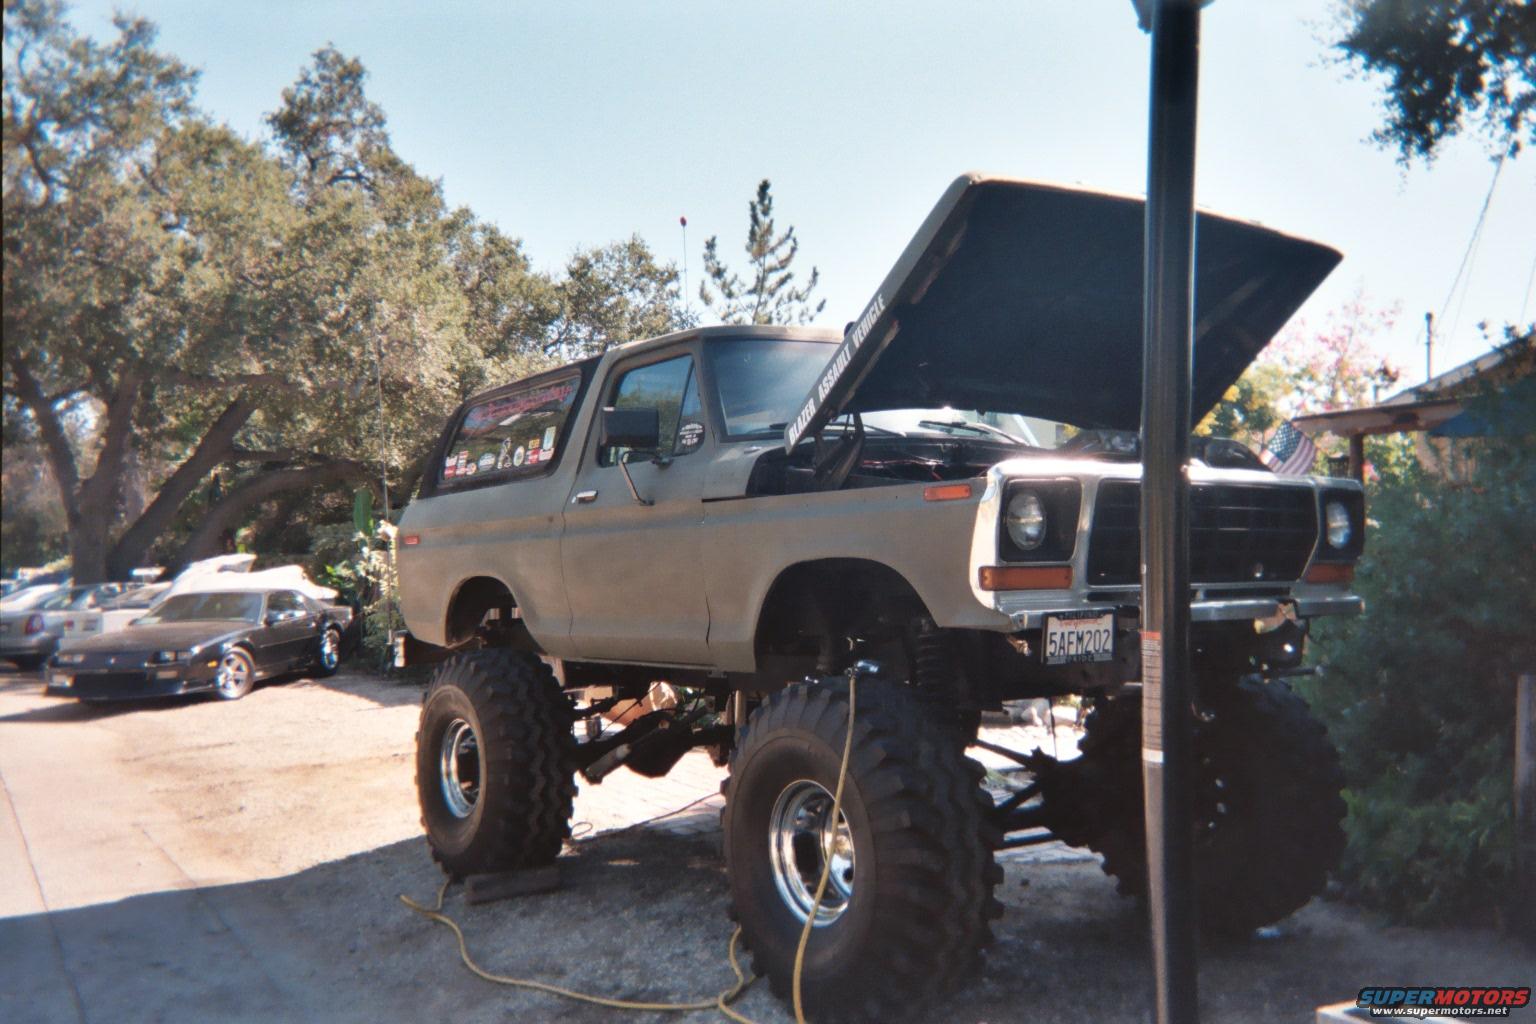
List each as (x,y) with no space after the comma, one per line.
(1419,691)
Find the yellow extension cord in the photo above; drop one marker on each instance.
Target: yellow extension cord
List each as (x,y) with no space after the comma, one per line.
(826,860)
(724,999)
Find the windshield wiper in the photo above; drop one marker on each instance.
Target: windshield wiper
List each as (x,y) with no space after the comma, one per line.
(778,428)
(981,428)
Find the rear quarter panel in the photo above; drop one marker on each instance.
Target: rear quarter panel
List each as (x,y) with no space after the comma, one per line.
(509,532)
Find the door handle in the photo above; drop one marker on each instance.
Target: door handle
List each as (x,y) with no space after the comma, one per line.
(584,497)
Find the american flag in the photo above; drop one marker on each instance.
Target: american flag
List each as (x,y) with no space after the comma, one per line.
(1290,452)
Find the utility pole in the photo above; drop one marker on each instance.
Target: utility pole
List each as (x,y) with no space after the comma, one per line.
(1167,757)
(1525,807)
(1429,346)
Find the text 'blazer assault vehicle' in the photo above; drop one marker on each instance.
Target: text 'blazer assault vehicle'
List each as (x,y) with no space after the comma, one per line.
(944,498)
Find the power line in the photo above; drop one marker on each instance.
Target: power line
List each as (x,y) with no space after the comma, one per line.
(1468,256)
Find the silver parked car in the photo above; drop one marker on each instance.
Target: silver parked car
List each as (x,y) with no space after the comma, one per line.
(30,630)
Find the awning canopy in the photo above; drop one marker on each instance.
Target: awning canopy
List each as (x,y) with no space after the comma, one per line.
(1401,417)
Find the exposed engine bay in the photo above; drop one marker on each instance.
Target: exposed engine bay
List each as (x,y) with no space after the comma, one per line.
(850,454)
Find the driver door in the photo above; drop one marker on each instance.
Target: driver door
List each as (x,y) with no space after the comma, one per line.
(288,639)
(633,571)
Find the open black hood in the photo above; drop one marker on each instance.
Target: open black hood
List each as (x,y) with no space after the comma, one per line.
(1021,297)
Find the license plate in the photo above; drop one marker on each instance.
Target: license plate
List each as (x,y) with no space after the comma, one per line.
(1079,636)
(63,682)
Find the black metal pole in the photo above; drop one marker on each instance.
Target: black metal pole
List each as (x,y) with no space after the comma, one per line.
(1167,759)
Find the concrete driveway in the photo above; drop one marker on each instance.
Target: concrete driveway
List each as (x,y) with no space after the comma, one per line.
(212,861)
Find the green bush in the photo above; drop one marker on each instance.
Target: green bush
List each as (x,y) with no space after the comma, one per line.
(360,566)
(1419,691)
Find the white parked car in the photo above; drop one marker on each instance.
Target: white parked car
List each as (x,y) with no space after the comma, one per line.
(112,613)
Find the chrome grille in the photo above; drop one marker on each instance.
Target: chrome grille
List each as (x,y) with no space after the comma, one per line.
(1238,533)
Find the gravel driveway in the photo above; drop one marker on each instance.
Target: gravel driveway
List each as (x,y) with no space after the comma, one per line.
(212,861)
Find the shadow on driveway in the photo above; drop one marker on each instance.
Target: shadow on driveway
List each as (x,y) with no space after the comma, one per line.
(642,916)
(395,689)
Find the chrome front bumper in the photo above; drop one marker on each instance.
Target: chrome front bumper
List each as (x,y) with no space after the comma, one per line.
(1028,610)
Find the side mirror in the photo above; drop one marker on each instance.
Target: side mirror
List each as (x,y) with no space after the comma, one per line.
(639,429)
(272,618)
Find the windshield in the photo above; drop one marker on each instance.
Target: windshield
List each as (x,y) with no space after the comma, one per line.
(762,381)
(139,597)
(72,599)
(228,607)
(29,597)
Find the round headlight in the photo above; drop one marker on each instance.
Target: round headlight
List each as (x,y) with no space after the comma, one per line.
(1026,520)
(1336,516)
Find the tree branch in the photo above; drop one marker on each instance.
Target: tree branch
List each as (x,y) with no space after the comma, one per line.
(99,492)
(69,392)
(242,380)
(211,450)
(61,454)
(252,490)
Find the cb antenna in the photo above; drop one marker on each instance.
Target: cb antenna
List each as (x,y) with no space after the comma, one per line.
(683,223)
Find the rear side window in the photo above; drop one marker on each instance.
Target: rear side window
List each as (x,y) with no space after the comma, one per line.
(284,601)
(516,434)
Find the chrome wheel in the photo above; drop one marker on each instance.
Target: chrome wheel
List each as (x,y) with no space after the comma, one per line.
(459,768)
(330,650)
(801,840)
(234,675)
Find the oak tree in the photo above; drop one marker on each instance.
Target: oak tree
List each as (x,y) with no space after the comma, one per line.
(1447,65)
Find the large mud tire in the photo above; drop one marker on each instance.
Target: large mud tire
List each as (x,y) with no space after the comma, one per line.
(515,765)
(918,915)
(1268,807)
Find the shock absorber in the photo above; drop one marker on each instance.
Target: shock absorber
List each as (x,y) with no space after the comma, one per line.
(940,678)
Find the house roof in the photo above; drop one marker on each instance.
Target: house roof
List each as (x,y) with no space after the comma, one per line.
(1456,377)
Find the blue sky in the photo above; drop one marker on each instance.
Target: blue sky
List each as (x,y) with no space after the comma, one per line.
(574,123)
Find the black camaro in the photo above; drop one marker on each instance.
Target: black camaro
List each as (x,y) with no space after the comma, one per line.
(222,641)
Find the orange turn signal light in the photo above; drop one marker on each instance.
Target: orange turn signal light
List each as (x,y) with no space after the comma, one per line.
(946,492)
(1331,572)
(410,540)
(1024,577)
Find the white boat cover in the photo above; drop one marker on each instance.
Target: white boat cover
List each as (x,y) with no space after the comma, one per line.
(282,577)
(218,563)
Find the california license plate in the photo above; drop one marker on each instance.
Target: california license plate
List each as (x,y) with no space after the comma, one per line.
(1072,637)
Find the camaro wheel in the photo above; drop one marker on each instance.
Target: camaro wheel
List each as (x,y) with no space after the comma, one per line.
(1268,810)
(236,674)
(493,763)
(909,895)
(328,660)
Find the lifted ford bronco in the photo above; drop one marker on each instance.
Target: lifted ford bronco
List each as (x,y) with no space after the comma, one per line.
(944,498)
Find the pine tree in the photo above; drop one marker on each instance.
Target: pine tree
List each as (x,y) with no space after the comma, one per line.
(769,296)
